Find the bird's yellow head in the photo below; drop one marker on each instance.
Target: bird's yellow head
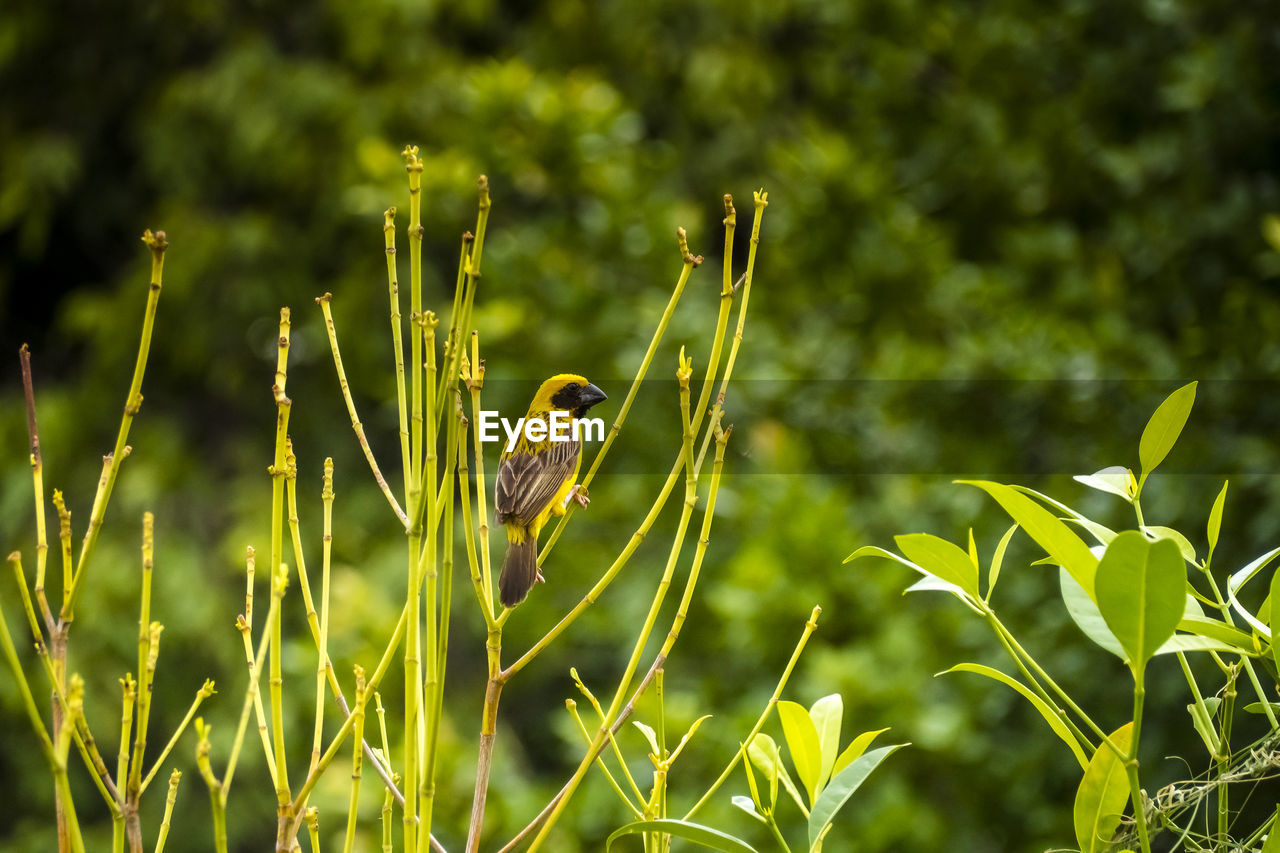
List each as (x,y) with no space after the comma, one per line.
(567,392)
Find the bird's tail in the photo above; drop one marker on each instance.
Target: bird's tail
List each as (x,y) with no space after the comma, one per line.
(519,571)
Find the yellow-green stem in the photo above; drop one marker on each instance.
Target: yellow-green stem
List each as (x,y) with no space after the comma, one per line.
(638,649)
(174,778)
(157,243)
(809,627)
(397,338)
(429,569)
(356,426)
(687,262)
(356,756)
(145,672)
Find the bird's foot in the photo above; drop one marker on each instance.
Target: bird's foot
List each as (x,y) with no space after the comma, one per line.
(539,578)
(579,494)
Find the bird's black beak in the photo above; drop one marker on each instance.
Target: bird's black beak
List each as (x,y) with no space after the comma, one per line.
(589,396)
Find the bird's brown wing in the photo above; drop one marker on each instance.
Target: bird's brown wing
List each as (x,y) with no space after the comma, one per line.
(528,482)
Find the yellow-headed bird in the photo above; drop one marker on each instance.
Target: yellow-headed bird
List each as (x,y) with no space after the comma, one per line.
(536,479)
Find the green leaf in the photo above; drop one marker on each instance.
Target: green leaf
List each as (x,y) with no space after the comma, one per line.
(1203,721)
(827,714)
(1116,480)
(1256,707)
(695,832)
(1273,837)
(1050,716)
(747,806)
(1237,581)
(973,550)
(929,581)
(942,558)
(1045,528)
(1215,517)
(1165,426)
(1214,629)
(685,739)
(1190,643)
(1102,795)
(649,735)
(856,747)
(1275,596)
(997,559)
(803,744)
(1185,548)
(1085,613)
(1104,535)
(842,787)
(764,754)
(1141,592)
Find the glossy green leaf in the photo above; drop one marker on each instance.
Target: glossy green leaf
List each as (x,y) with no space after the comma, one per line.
(1084,612)
(1044,527)
(1215,516)
(650,735)
(803,744)
(1046,499)
(1237,581)
(827,714)
(1275,596)
(1165,426)
(1103,534)
(1141,593)
(997,559)
(1185,547)
(942,558)
(856,747)
(747,806)
(842,788)
(1050,716)
(1215,629)
(695,832)
(1190,643)
(764,754)
(1115,480)
(1102,795)
(928,581)
(690,733)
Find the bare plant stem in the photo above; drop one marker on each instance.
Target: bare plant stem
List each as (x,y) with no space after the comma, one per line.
(157,243)
(356,426)
(809,627)
(279,576)
(174,778)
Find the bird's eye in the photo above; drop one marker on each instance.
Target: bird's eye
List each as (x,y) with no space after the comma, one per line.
(572,387)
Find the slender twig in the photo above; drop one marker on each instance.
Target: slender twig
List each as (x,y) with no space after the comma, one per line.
(202,694)
(356,426)
(157,243)
(356,755)
(37,478)
(174,778)
(279,573)
(687,263)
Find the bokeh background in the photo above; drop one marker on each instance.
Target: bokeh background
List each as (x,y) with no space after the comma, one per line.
(999,234)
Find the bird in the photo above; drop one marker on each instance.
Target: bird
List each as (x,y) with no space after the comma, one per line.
(536,480)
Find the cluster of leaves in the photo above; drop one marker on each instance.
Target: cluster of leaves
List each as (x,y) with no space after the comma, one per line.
(1131,594)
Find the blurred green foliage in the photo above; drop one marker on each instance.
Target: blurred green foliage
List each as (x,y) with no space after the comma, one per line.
(999,234)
